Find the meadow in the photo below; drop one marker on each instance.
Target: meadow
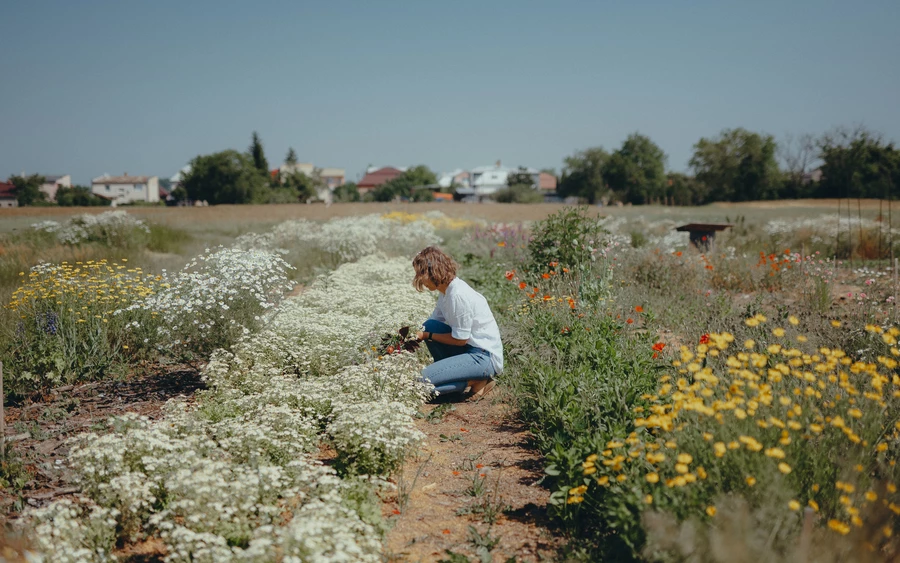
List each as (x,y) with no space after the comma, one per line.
(689,404)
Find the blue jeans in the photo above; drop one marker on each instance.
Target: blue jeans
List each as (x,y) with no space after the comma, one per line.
(454,366)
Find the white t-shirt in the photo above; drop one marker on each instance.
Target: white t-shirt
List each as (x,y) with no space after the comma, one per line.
(470,318)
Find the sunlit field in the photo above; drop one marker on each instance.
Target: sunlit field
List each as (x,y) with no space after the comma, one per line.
(688,403)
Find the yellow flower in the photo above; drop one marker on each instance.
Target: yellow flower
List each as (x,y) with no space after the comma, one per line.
(648,499)
(603,481)
(719,448)
(784,468)
(701,472)
(779,332)
(621,477)
(681,468)
(711,510)
(652,478)
(794,505)
(838,527)
(684,458)
(871,496)
(574,500)
(590,470)
(836,324)
(751,322)
(892,488)
(801,338)
(814,505)
(776,453)
(855,413)
(793,320)
(749,343)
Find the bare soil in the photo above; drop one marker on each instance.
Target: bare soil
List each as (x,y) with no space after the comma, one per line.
(476,482)
(37,430)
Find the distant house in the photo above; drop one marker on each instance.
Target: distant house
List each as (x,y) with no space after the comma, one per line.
(53,183)
(331,177)
(458,177)
(8,195)
(377,177)
(127,189)
(546,182)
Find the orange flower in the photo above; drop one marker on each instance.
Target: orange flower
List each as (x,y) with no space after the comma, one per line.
(678,254)
(547,298)
(571,303)
(510,274)
(545,276)
(502,243)
(629,321)
(565,270)
(522,285)
(639,309)
(554,264)
(659,346)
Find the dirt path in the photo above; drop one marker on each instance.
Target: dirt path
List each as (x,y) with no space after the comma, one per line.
(472,491)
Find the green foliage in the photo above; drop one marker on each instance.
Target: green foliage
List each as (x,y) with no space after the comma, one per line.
(291,157)
(583,175)
(519,193)
(27,189)
(566,237)
(637,171)
(258,155)
(166,239)
(683,189)
(403,185)
(225,177)
(738,165)
(520,177)
(857,163)
(79,196)
(346,193)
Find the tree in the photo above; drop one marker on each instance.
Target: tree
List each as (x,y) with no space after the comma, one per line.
(583,175)
(28,189)
(857,163)
(348,192)
(402,186)
(291,157)
(738,165)
(225,177)
(303,186)
(683,189)
(637,171)
(521,177)
(79,196)
(797,155)
(259,157)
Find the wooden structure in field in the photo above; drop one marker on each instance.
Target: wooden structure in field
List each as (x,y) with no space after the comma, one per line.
(703,234)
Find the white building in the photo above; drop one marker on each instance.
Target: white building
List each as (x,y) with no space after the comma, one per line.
(331,178)
(458,178)
(488,180)
(53,183)
(127,189)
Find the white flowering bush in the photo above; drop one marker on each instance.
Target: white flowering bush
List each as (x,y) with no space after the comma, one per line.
(73,531)
(373,438)
(215,299)
(230,476)
(343,239)
(116,229)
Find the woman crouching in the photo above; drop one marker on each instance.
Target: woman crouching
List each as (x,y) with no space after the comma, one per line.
(461,333)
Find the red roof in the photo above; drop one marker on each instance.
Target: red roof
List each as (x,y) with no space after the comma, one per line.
(7,190)
(380,176)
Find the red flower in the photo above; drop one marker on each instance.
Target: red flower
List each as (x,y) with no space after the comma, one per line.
(704,339)
(678,253)
(639,309)
(659,346)
(510,274)
(545,276)
(565,270)
(629,321)
(547,298)
(554,264)
(522,285)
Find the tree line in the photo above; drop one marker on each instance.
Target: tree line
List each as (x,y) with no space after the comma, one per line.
(738,165)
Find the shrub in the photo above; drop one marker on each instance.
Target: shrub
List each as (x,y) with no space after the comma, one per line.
(568,237)
(373,438)
(115,229)
(68,329)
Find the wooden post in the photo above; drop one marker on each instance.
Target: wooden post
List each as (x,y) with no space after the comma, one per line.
(805,535)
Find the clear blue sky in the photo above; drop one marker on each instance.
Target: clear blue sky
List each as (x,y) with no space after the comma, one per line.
(143,87)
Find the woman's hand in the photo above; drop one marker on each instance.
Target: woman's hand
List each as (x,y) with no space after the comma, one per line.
(420,336)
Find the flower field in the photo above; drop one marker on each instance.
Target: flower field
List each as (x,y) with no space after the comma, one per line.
(689,405)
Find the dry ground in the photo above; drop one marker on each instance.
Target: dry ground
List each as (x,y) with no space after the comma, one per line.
(476,482)
(241,217)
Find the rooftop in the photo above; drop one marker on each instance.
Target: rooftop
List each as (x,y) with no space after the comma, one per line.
(123,179)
